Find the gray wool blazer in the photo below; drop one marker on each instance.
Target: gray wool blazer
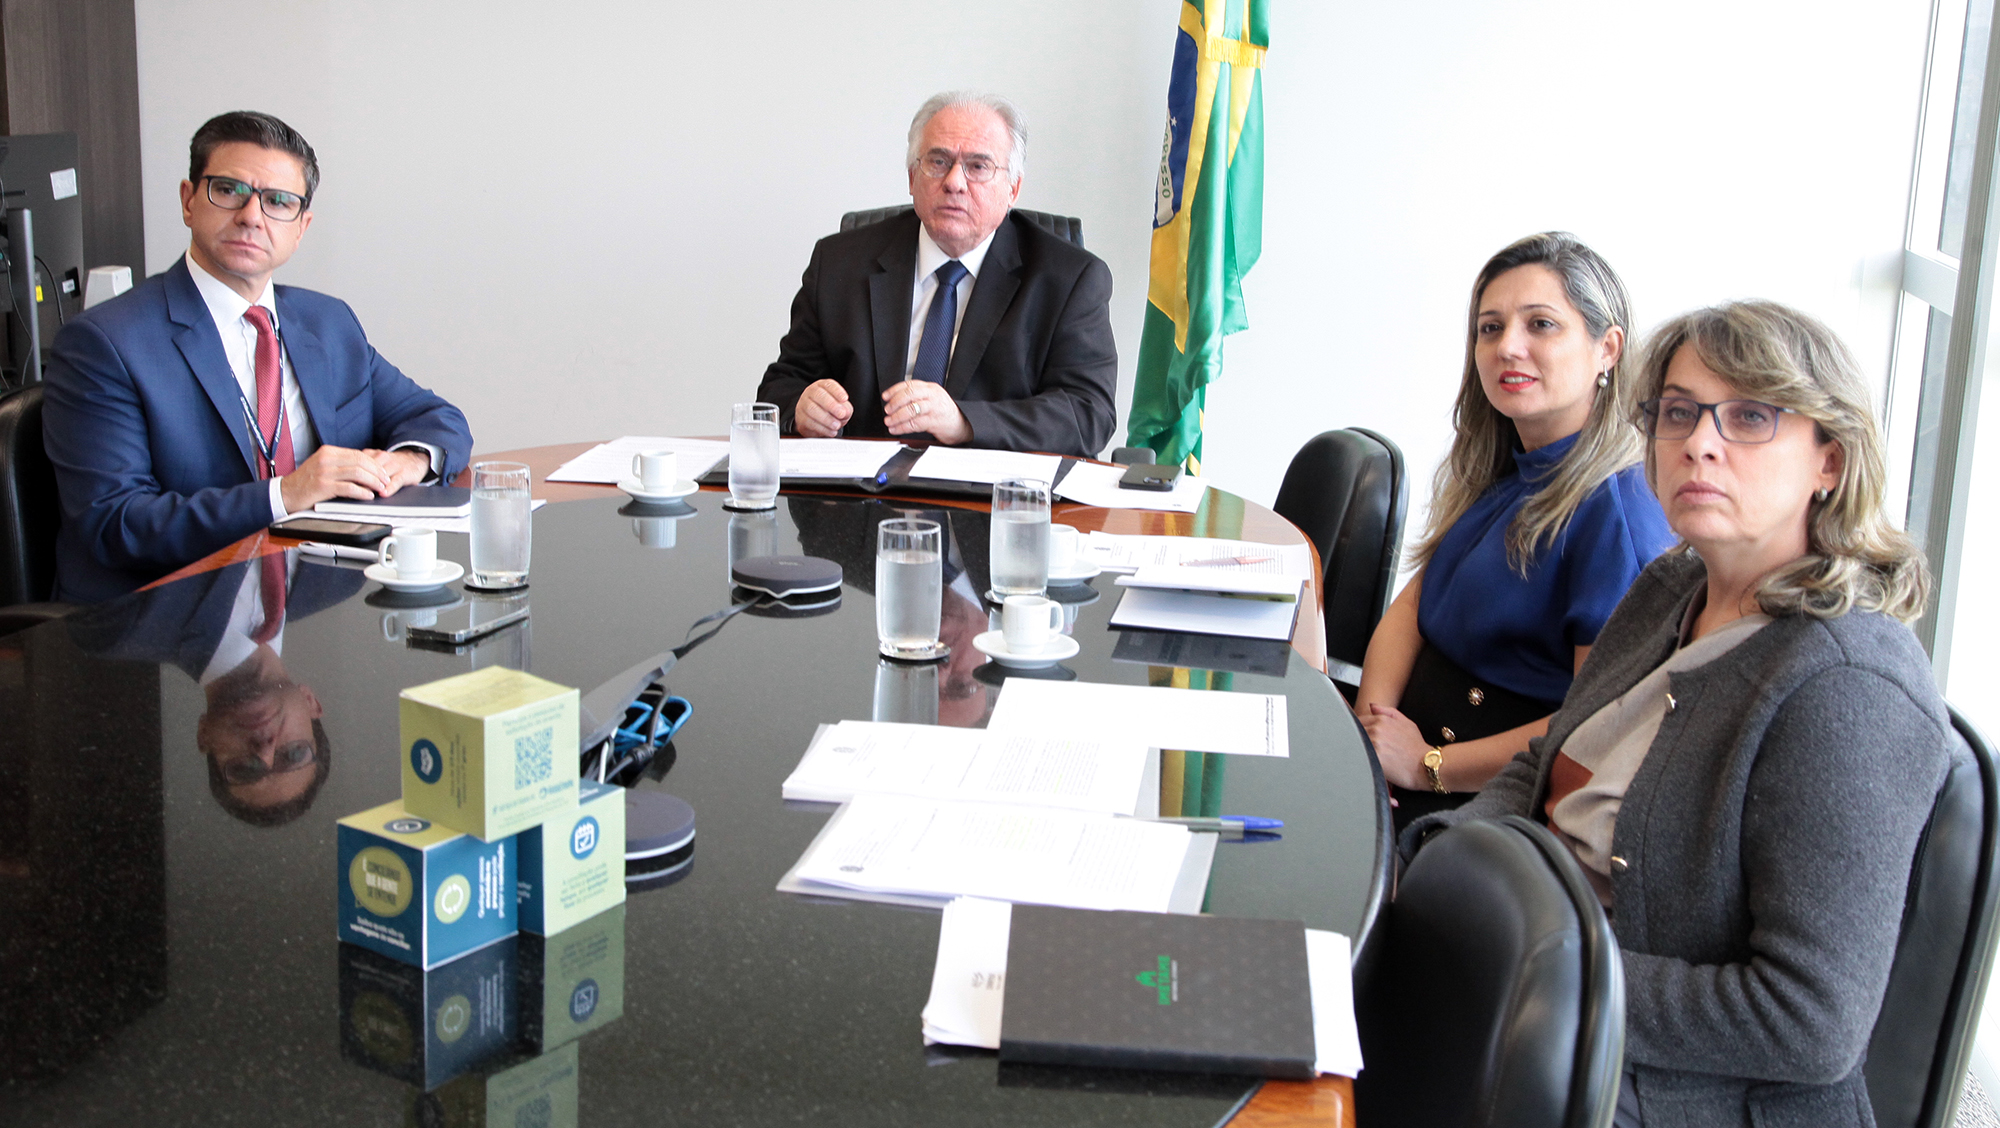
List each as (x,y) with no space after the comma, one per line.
(1761,855)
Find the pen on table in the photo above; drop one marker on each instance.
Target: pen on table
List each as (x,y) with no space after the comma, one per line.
(1221,560)
(340,552)
(1227,824)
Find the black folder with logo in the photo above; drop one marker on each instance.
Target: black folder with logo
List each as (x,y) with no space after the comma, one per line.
(1157,991)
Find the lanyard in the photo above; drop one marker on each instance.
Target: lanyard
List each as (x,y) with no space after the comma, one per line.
(267,449)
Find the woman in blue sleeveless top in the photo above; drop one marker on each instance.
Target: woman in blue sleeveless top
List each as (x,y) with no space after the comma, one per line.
(1540,518)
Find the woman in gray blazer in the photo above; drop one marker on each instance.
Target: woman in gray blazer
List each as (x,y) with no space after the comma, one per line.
(1747,757)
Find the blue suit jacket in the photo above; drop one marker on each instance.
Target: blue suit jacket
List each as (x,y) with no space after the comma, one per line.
(144,422)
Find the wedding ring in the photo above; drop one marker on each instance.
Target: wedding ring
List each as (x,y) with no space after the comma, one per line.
(920,408)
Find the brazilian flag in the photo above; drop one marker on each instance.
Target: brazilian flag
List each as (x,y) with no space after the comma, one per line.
(1208,220)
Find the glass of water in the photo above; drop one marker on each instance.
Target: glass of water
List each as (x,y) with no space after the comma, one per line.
(501,530)
(753,455)
(1017,558)
(909,589)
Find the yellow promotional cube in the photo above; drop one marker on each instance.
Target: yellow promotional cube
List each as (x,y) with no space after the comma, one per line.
(490,753)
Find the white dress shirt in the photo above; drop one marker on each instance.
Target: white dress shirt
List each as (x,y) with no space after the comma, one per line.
(929,257)
(239,346)
(245,616)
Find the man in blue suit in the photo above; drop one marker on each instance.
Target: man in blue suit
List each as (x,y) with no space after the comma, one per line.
(207,403)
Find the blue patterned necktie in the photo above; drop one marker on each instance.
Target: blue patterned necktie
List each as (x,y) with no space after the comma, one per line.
(934,348)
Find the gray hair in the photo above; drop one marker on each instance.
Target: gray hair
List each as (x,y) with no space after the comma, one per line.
(1010,116)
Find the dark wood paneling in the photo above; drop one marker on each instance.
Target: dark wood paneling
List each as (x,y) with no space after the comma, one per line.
(72,66)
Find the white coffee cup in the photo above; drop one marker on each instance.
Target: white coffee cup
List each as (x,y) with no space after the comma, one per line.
(1029,623)
(657,469)
(412,551)
(394,623)
(1063,544)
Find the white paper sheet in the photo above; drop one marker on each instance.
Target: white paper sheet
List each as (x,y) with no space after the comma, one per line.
(441,524)
(1189,612)
(610,463)
(962,464)
(969,985)
(833,458)
(1192,720)
(896,844)
(1115,552)
(941,762)
(969,982)
(1090,484)
(1330,970)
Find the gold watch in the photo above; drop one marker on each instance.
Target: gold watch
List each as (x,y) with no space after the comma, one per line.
(1433,760)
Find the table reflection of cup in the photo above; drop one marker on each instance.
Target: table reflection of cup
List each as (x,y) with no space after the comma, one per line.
(655,532)
(906,692)
(751,535)
(396,623)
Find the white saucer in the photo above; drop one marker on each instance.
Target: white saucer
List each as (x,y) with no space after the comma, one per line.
(1082,573)
(674,492)
(388,577)
(994,645)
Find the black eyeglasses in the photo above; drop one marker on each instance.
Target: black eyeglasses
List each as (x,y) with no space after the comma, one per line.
(231,194)
(978,170)
(1739,421)
(285,758)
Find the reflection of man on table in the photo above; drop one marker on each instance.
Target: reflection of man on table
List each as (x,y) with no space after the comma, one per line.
(960,323)
(207,403)
(261,733)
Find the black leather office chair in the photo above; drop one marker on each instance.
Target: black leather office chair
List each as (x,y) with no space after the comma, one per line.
(1498,997)
(29,510)
(1923,1035)
(1068,227)
(1346,490)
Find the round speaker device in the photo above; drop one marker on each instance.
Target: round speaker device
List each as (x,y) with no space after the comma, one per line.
(786,576)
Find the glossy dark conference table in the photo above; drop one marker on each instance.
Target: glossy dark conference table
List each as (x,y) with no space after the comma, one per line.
(163,962)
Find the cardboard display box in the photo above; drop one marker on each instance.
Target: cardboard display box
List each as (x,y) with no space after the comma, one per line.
(491,753)
(422,893)
(572,867)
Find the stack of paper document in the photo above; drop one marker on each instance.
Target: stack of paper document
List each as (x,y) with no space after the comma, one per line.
(968,985)
(833,458)
(1191,720)
(1115,552)
(410,501)
(1090,484)
(1214,601)
(905,850)
(610,463)
(965,464)
(937,762)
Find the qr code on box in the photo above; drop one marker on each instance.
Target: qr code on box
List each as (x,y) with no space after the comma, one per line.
(537,1113)
(531,757)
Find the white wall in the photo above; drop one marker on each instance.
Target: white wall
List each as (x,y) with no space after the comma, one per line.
(586,219)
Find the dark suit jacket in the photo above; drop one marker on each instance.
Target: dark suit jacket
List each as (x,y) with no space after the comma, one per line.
(144,422)
(1035,367)
(183,622)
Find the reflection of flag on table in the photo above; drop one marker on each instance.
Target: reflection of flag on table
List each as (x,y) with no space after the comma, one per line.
(1208,220)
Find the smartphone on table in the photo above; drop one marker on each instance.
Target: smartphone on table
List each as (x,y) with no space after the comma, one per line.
(357,534)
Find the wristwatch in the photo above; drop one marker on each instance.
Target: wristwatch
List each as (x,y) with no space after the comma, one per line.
(1433,760)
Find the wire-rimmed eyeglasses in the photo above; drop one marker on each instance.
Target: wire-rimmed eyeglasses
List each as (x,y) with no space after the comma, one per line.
(978,170)
(231,194)
(288,757)
(1739,421)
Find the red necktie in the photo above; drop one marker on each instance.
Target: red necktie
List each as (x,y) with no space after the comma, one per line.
(272,583)
(270,398)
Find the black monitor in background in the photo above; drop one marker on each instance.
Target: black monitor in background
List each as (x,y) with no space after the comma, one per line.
(44,229)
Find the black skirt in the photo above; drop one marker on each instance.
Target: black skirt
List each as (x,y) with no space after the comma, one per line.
(1449,705)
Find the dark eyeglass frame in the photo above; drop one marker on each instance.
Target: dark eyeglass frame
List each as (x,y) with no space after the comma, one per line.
(233,202)
(292,756)
(986,170)
(1650,413)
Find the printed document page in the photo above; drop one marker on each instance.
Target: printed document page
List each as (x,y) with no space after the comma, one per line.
(959,464)
(897,844)
(1191,720)
(1159,609)
(1115,552)
(833,458)
(610,463)
(1087,483)
(1043,768)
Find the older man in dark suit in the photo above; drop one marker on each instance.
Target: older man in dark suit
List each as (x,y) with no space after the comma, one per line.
(959,324)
